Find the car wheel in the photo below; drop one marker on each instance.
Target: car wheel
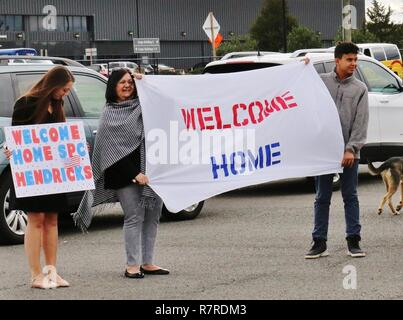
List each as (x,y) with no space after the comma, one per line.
(12,222)
(186,214)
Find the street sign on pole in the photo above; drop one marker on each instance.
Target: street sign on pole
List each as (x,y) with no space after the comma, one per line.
(91,52)
(146,45)
(211,28)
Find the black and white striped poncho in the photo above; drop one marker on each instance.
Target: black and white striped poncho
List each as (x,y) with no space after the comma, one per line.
(120,132)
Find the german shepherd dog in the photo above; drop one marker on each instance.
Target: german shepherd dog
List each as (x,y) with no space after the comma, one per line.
(392,174)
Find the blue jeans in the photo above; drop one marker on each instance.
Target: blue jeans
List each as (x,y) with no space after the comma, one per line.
(323,184)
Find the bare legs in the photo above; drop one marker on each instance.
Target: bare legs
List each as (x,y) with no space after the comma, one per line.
(42,232)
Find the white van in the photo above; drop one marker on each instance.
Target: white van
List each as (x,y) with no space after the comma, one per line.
(386,53)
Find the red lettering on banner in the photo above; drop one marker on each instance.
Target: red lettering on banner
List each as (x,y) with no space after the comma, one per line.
(27,155)
(71,149)
(35,138)
(252,114)
(17,136)
(87,172)
(75,133)
(20,178)
(70,174)
(208,118)
(243,114)
(56,176)
(47,153)
(53,135)
(235,113)
(38,176)
(219,121)
(189,118)
(200,117)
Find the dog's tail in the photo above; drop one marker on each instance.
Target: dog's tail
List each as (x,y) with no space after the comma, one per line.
(376,171)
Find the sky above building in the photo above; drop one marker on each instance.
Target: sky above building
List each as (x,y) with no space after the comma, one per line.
(396,6)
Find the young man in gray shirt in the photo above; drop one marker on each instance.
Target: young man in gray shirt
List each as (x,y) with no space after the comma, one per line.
(351,98)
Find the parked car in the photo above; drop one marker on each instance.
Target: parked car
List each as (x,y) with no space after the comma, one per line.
(387,53)
(85,102)
(123,64)
(164,69)
(12,62)
(17,60)
(303,52)
(146,69)
(102,68)
(385,130)
(241,54)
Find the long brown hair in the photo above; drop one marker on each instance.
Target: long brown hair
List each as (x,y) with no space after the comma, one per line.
(42,93)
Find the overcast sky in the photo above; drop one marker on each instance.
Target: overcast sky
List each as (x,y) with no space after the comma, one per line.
(396,5)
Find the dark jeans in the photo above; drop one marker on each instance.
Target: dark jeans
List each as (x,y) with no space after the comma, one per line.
(323,184)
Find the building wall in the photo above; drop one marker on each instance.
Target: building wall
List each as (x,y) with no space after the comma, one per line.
(164,19)
(324,16)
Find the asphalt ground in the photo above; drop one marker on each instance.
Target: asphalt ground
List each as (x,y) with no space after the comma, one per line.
(248,244)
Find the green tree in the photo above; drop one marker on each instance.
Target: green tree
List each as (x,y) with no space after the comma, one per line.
(399,37)
(357,36)
(302,37)
(237,43)
(380,23)
(267,30)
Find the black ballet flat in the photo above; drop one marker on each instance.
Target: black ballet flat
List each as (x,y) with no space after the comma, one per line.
(155,272)
(137,275)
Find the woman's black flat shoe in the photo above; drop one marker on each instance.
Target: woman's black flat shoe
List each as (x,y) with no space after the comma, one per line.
(137,275)
(155,272)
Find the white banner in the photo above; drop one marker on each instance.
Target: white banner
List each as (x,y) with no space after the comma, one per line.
(208,134)
(49,158)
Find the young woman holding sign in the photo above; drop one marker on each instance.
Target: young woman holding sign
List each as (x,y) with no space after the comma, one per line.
(42,104)
(118,164)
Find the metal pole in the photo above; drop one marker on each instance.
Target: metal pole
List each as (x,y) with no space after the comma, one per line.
(212,35)
(346,31)
(284,28)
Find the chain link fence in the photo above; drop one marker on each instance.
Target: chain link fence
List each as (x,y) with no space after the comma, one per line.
(153,65)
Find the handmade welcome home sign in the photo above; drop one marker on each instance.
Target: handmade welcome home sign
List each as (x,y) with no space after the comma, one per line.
(49,158)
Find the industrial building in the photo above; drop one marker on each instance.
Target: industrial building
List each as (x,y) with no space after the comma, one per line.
(67,27)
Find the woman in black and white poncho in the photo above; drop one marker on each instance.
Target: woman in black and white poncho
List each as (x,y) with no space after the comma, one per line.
(119,165)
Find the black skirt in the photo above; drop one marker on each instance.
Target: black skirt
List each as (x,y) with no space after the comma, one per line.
(52,203)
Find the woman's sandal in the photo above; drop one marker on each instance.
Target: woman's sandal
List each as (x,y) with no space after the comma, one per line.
(42,281)
(50,271)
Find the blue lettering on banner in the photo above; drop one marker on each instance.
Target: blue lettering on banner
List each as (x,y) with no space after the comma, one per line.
(223,166)
(233,162)
(29,177)
(239,160)
(64,133)
(26,134)
(17,157)
(47,176)
(79,175)
(43,135)
(38,154)
(81,149)
(62,151)
(63,172)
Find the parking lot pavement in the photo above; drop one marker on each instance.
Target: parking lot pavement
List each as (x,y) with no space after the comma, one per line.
(246,244)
